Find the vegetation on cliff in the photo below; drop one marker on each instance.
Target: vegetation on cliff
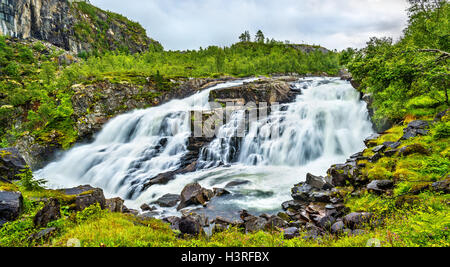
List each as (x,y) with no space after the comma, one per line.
(410,76)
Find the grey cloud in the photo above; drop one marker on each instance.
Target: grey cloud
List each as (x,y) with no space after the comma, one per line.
(335,24)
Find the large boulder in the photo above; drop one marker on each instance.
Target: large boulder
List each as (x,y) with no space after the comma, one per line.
(357,219)
(85,196)
(307,193)
(11,163)
(189,225)
(50,212)
(194,194)
(11,205)
(380,186)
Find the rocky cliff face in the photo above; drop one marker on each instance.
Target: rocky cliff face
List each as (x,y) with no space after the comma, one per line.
(76,26)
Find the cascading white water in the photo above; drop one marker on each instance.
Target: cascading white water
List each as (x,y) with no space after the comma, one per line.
(324,126)
(131,148)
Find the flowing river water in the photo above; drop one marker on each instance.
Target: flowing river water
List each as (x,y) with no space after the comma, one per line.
(325,124)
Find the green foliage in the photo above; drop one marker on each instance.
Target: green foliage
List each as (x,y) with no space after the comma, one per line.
(413,69)
(28,182)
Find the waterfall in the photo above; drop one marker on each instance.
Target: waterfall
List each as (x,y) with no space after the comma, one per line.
(324,125)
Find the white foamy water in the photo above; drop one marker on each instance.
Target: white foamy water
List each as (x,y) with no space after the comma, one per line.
(325,125)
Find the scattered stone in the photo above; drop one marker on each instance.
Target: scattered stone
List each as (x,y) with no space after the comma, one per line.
(50,212)
(380,186)
(148,215)
(317,182)
(418,127)
(168,200)
(236,183)
(369,140)
(275,222)
(254,224)
(294,205)
(11,205)
(291,232)
(357,219)
(114,204)
(338,227)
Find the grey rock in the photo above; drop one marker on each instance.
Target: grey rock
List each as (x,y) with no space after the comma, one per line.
(86,196)
(11,163)
(168,200)
(44,234)
(291,232)
(379,148)
(114,204)
(11,205)
(190,226)
(317,182)
(357,219)
(194,194)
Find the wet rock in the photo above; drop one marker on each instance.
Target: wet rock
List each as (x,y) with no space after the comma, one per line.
(291,232)
(168,200)
(236,183)
(146,207)
(190,226)
(220,192)
(11,163)
(317,182)
(85,196)
(284,216)
(50,212)
(415,128)
(194,194)
(380,186)
(11,205)
(114,204)
(357,219)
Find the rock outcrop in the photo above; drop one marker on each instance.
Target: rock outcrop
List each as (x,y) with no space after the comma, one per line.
(77,27)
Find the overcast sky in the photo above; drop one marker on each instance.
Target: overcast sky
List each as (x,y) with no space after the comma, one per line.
(334,24)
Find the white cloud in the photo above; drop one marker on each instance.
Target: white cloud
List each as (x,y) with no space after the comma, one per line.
(335,24)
